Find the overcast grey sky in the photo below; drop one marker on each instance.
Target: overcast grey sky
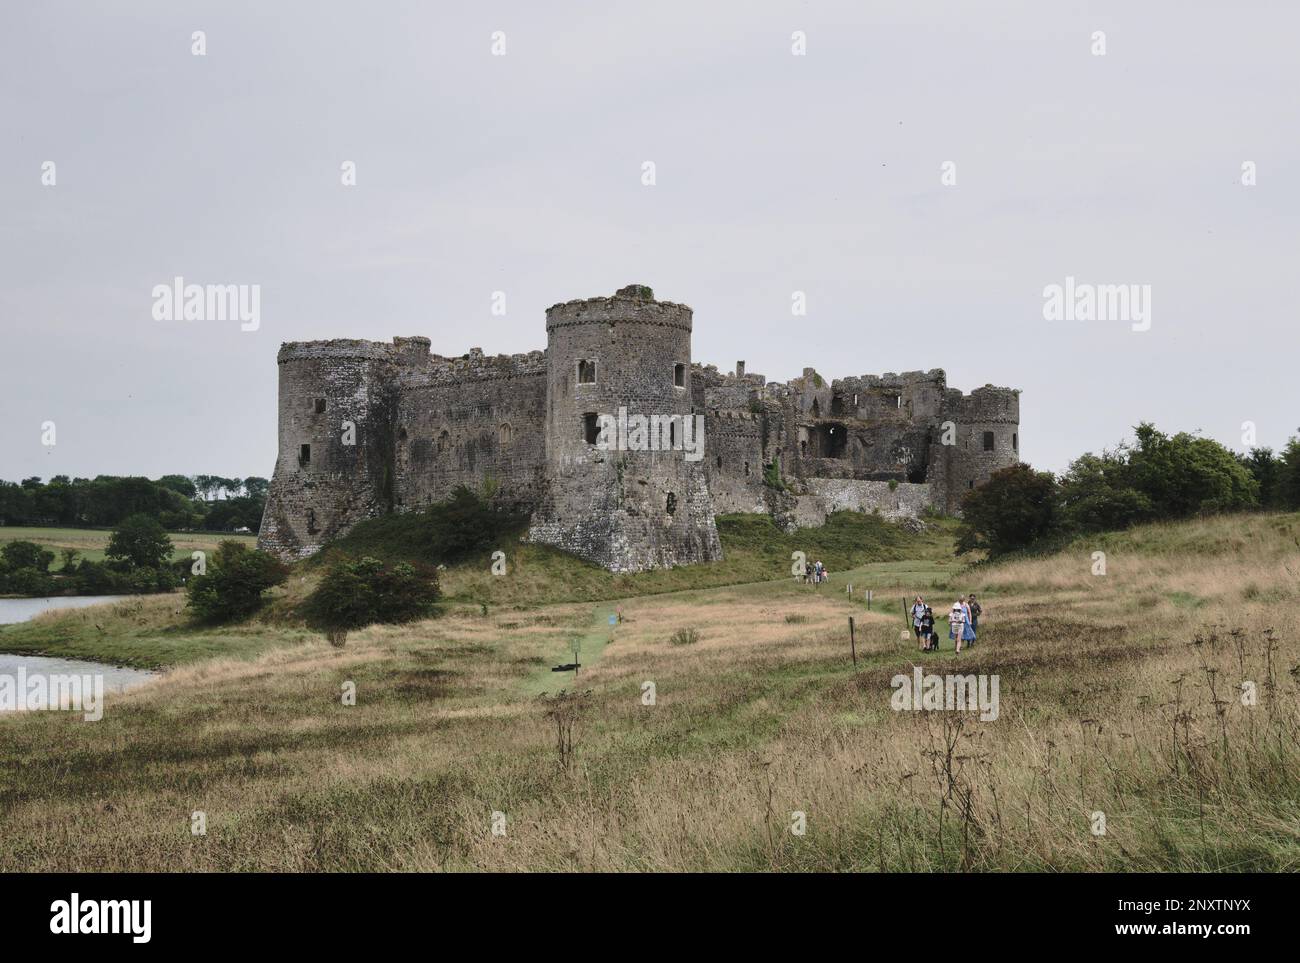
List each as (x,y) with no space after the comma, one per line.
(523,173)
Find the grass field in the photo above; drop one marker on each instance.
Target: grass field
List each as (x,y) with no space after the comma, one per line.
(90,543)
(1120,694)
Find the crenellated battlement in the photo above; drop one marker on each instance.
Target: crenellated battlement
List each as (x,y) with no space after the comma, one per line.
(620,309)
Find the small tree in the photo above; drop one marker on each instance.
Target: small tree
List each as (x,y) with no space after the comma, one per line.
(26,555)
(1186,475)
(1016,507)
(1097,496)
(1287,489)
(234,584)
(140,541)
(354,594)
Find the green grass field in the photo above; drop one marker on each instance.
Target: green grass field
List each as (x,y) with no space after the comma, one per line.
(90,543)
(1118,696)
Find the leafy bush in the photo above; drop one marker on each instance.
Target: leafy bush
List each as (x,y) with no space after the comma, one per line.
(16,555)
(449,531)
(1014,508)
(1185,475)
(24,570)
(1156,478)
(1286,489)
(100,578)
(462,525)
(232,587)
(1097,496)
(141,541)
(354,594)
(26,581)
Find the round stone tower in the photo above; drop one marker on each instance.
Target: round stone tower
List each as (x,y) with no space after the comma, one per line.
(624,449)
(333,465)
(987,439)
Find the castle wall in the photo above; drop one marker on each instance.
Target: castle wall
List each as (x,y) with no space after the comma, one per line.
(734,461)
(828,495)
(515,426)
(478,421)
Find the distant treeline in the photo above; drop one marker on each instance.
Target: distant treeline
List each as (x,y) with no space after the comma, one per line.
(178,502)
(1157,477)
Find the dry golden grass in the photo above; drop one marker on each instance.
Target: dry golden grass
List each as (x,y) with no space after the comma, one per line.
(1120,694)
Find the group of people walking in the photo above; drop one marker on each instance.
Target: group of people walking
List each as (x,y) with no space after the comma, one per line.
(963,623)
(815,572)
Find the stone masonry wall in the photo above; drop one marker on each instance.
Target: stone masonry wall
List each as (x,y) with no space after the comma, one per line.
(514,425)
(476,421)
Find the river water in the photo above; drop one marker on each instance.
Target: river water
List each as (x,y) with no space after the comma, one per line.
(116,678)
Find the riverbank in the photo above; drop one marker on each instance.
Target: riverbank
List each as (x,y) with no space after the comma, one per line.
(141,632)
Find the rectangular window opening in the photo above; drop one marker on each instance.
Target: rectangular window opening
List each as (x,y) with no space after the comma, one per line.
(679,375)
(586,372)
(591,427)
(988,441)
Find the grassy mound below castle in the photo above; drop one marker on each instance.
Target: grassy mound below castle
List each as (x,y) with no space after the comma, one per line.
(754,550)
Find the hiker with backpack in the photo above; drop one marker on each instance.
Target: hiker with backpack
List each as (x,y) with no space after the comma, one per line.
(929,641)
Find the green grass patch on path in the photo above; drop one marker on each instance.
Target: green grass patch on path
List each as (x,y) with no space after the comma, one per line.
(591,644)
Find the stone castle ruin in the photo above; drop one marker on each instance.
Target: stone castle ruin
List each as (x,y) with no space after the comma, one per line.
(369,427)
